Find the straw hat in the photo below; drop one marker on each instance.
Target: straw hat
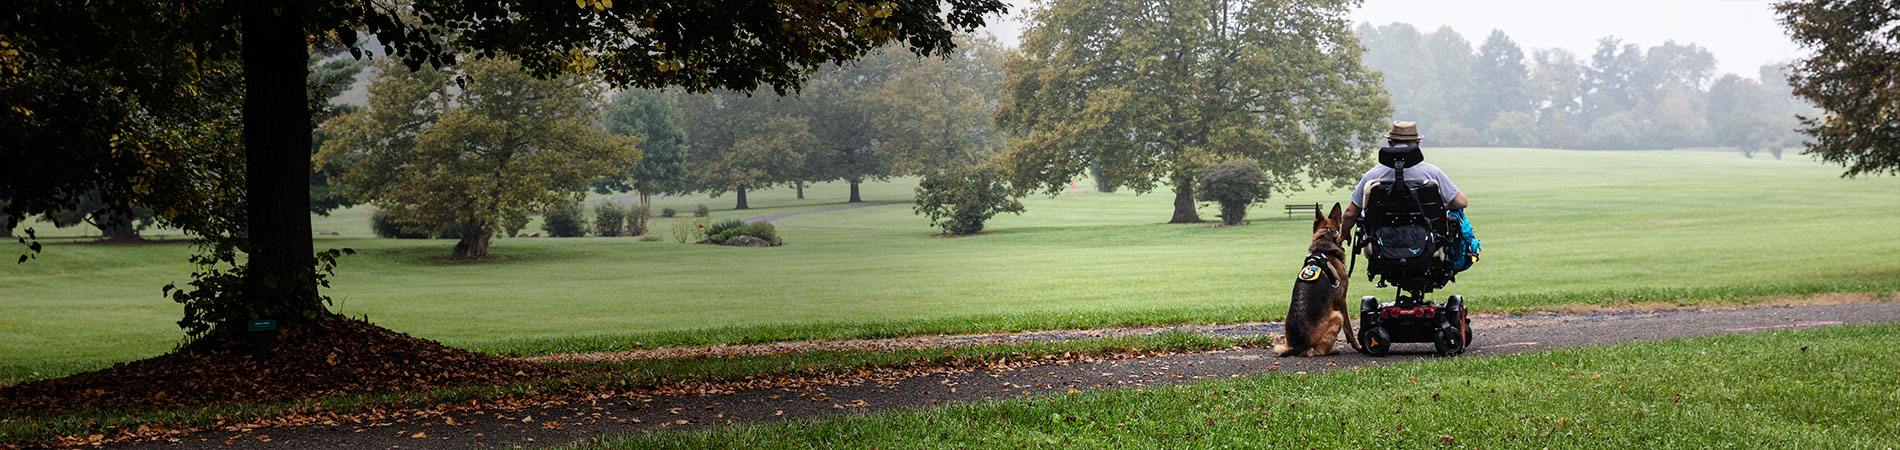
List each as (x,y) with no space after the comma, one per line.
(1404,131)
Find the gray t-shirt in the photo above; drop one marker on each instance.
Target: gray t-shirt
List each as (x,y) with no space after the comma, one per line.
(1423,170)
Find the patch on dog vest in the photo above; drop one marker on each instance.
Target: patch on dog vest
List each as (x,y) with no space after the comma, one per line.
(1310,273)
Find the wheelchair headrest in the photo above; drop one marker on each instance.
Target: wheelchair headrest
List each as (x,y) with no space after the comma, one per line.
(1410,155)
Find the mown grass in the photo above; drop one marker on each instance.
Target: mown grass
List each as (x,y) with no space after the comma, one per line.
(1559,228)
(622,376)
(1821,388)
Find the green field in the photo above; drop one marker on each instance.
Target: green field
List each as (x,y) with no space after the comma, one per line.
(1559,228)
(1824,388)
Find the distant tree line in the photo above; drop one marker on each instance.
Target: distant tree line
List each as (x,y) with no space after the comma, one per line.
(471,152)
(1622,96)
(887,115)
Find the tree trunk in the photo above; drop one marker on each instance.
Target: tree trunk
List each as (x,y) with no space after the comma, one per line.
(116,226)
(742,204)
(1184,204)
(280,280)
(6,225)
(801,189)
(474,243)
(854,192)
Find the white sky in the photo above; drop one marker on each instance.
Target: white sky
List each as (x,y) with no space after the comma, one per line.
(1742,34)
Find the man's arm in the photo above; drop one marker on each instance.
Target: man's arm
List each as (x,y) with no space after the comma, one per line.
(1350,216)
(1458,202)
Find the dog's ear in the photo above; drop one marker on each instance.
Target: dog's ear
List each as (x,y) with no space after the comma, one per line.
(1336,215)
(1319,220)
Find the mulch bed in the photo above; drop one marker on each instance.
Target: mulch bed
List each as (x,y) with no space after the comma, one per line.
(333,355)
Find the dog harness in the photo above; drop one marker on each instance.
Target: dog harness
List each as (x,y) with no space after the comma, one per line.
(1316,267)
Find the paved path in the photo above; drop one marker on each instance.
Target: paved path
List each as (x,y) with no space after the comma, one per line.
(575,422)
(774,218)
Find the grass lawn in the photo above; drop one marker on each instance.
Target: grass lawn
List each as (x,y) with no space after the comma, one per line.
(1821,388)
(1559,228)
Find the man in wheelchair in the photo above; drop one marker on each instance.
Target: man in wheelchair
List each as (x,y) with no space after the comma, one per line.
(1412,230)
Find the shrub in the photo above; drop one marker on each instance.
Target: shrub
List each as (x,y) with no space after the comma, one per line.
(564,221)
(637,218)
(1234,185)
(610,219)
(717,231)
(960,200)
(1514,129)
(668,212)
(650,238)
(702,211)
(386,227)
(762,230)
(682,231)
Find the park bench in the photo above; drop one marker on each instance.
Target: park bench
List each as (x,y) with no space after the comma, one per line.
(1314,207)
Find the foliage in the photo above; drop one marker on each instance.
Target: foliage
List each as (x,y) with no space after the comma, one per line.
(564,220)
(476,158)
(653,116)
(1849,76)
(683,231)
(638,217)
(385,226)
(1514,129)
(742,142)
(610,220)
(668,212)
(1235,185)
(702,211)
(959,201)
(80,77)
(763,230)
(330,74)
(1303,105)
(113,221)
(717,231)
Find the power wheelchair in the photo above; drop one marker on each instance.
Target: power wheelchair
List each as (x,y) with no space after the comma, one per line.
(1413,243)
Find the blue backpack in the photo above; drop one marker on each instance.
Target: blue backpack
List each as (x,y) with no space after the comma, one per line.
(1464,253)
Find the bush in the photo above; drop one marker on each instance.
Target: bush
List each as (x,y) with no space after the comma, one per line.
(718,229)
(649,238)
(637,218)
(960,200)
(702,211)
(683,231)
(1234,185)
(762,230)
(386,227)
(1514,129)
(564,221)
(610,220)
(668,212)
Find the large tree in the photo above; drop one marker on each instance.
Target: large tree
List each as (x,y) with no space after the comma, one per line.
(739,143)
(144,51)
(654,117)
(1156,90)
(1850,76)
(472,160)
(935,114)
(1502,81)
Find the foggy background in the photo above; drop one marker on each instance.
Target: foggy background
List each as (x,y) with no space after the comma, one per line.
(1743,35)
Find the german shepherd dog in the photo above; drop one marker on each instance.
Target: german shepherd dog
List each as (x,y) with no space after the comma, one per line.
(1318,311)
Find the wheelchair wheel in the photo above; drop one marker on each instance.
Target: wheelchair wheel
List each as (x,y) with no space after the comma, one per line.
(1376,340)
(1447,342)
